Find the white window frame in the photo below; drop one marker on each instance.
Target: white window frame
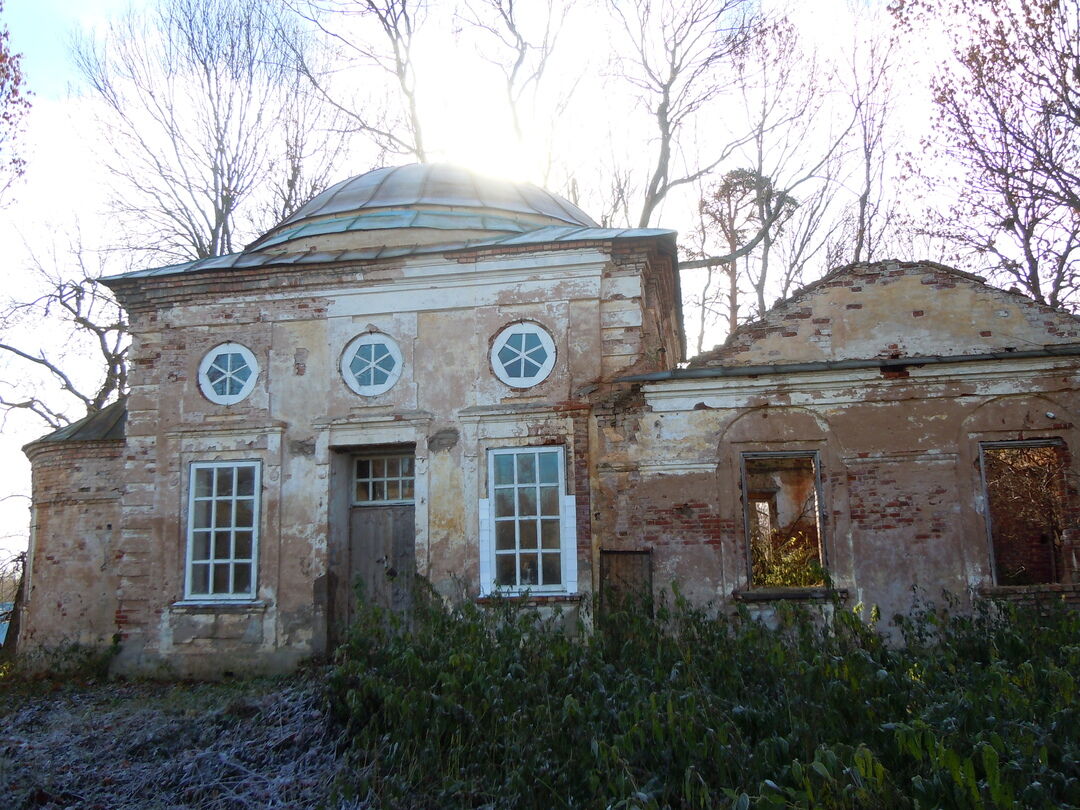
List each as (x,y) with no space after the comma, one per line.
(206,386)
(371,480)
(368,339)
(190,562)
(546,342)
(567,530)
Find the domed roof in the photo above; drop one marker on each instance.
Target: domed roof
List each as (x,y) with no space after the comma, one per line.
(425,196)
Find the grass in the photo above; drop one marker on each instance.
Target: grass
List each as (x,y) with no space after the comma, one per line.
(467,707)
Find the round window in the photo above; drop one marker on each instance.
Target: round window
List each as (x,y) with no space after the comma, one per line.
(371,364)
(228,373)
(523,354)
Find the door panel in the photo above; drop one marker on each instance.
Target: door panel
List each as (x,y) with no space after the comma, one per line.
(382,554)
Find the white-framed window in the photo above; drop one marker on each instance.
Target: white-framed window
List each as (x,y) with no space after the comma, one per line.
(528,528)
(523,354)
(371,364)
(222,530)
(384,479)
(227,373)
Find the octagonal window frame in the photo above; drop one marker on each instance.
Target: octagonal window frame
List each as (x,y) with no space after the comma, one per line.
(206,385)
(350,353)
(503,341)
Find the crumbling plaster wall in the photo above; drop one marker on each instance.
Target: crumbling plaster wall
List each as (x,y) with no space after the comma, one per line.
(70,587)
(899,463)
(301,421)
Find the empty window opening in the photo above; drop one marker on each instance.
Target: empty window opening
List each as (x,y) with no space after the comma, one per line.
(782,517)
(1027,507)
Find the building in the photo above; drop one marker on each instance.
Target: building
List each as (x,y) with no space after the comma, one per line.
(426,369)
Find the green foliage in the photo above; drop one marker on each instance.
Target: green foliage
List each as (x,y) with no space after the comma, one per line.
(468,707)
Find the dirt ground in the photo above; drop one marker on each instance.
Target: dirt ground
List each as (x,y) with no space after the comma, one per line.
(119,745)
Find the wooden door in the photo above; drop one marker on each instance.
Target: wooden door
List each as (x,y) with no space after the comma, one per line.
(382,531)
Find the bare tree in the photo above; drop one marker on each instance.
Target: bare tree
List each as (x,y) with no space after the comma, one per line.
(193,95)
(1009,120)
(678,52)
(87,322)
(385,42)
(14,105)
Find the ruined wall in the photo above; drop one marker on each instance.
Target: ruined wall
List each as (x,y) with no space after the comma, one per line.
(301,423)
(71,593)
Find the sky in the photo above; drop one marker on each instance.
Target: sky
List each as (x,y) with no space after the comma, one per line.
(64,189)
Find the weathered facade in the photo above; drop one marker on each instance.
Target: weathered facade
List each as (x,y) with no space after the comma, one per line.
(423,369)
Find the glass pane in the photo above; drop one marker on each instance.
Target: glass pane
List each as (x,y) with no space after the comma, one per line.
(407,489)
(221,578)
(378,468)
(532,342)
(224,481)
(202,517)
(241,375)
(200,546)
(200,578)
(504,503)
(407,466)
(377,377)
(506,354)
(221,387)
(393,491)
(526,468)
(530,569)
(527,532)
(549,533)
(549,500)
(378,490)
(223,514)
(362,492)
(504,469)
(363,468)
(245,512)
(222,545)
(515,369)
(242,547)
(527,501)
(552,569)
(549,468)
(245,480)
(504,535)
(242,578)
(204,480)
(504,569)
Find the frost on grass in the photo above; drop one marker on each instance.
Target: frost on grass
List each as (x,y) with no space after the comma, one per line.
(260,744)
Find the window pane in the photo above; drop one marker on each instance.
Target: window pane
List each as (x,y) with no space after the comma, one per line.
(527,501)
(223,514)
(200,578)
(549,468)
(378,490)
(549,532)
(242,546)
(407,489)
(504,503)
(527,533)
(504,535)
(204,482)
(549,500)
(504,469)
(200,546)
(363,468)
(241,578)
(526,468)
(552,569)
(245,481)
(530,569)
(504,569)
(224,481)
(221,578)
(378,468)
(222,545)
(245,513)
(393,491)
(407,466)
(202,515)
(362,492)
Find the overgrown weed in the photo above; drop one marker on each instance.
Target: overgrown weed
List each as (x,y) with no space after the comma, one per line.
(470,707)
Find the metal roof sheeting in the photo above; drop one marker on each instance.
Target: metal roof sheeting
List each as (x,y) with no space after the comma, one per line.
(258,258)
(105,425)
